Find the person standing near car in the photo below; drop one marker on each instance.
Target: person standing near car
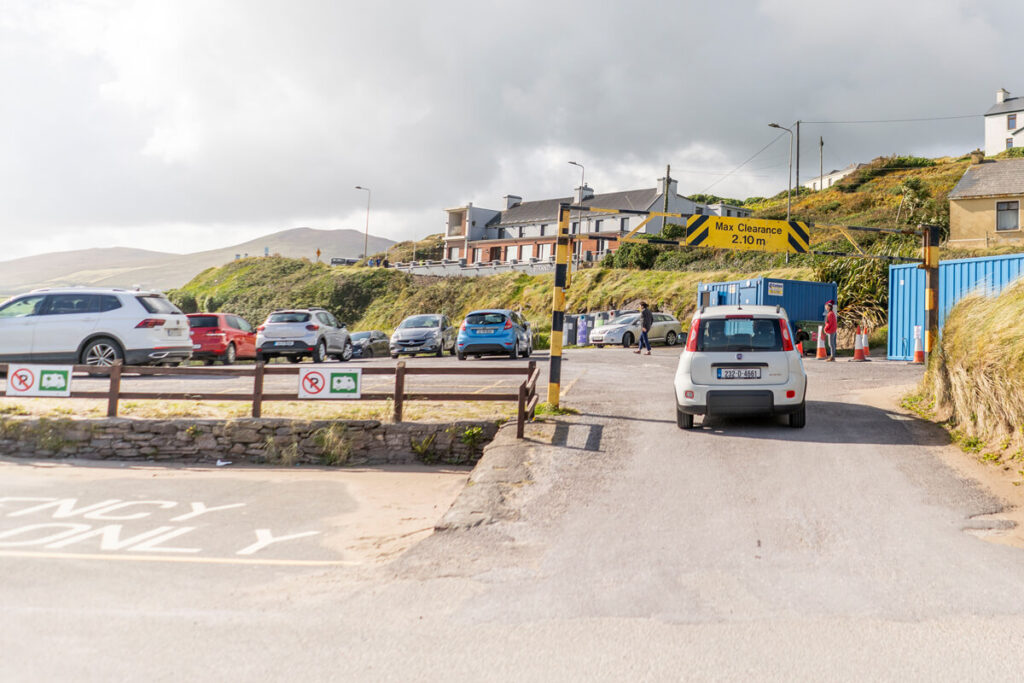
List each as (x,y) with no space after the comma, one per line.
(646,322)
(831,329)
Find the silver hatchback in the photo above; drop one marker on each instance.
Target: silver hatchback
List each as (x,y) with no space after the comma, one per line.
(300,332)
(625,330)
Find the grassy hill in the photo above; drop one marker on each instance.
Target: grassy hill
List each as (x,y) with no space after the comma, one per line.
(377,298)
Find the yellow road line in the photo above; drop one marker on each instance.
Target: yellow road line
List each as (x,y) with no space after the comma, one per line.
(168,558)
(572,384)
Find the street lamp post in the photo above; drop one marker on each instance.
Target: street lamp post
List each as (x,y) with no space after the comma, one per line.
(789,179)
(366,232)
(583,184)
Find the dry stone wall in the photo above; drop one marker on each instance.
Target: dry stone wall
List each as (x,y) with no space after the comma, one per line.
(266,440)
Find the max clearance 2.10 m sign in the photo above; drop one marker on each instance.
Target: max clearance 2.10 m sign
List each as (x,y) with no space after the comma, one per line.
(317,382)
(38,380)
(749,234)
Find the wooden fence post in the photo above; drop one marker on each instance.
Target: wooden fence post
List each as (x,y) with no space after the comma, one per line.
(114,389)
(257,390)
(521,416)
(399,389)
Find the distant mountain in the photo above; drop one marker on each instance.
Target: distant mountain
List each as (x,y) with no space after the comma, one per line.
(126,267)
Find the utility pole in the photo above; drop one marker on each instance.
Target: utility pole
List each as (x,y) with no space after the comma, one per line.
(821,163)
(798,160)
(668,181)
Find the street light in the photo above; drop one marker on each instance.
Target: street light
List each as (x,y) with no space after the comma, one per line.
(366,233)
(583,184)
(789,179)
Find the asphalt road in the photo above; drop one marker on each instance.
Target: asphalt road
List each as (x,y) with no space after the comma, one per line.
(741,550)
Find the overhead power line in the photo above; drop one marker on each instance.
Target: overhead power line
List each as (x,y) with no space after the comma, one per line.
(754,156)
(928,118)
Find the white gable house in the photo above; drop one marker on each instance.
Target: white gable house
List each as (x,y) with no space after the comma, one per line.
(1004,123)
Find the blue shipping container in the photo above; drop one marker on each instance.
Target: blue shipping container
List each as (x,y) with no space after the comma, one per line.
(957,279)
(802,300)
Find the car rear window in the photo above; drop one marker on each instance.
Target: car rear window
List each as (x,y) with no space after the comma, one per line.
(356,336)
(485,319)
(739,334)
(289,317)
(202,321)
(154,303)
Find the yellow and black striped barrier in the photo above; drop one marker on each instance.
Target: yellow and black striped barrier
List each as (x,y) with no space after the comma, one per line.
(558,305)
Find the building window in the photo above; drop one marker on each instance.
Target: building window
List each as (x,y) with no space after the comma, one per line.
(575,227)
(527,251)
(699,211)
(1007,215)
(728,212)
(1011,121)
(543,229)
(597,225)
(624,224)
(522,231)
(1009,143)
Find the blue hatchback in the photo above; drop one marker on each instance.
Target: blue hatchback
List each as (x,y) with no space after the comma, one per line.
(494,332)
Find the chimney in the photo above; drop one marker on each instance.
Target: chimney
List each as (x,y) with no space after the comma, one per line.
(671,190)
(1002,95)
(977,156)
(512,200)
(582,193)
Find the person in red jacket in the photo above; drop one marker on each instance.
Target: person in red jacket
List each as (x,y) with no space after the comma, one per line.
(831,329)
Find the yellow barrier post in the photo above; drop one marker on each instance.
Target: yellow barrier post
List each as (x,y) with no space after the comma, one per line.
(931,288)
(558,305)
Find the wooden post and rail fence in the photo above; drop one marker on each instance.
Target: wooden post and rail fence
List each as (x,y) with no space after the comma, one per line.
(526,397)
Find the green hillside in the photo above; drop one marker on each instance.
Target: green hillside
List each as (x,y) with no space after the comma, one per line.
(377,298)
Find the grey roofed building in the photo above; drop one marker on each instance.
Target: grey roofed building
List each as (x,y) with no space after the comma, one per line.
(991,179)
(1007,106)
(545,210)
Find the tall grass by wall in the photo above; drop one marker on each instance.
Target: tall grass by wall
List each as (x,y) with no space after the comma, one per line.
(977,376)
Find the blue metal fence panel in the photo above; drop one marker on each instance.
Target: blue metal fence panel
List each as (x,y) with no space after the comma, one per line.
(957,278)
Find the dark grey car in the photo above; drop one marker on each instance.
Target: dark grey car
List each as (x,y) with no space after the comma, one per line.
(431,333)
(369,344)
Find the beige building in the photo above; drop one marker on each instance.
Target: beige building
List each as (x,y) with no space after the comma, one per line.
(985,206)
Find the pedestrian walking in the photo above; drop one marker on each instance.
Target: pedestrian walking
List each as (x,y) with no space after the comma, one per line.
(831,330)
(646,322)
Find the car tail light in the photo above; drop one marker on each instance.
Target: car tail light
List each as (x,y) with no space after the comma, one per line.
(691,339)
(787,342)
(261,328)
(508,324)
(790,394)
(312,328)
(739,317)
(150,322)
(463,327)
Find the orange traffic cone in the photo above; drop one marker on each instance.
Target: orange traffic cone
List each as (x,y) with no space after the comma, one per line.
(821,347)
(800,348)
(918,346)
(858,347)
(866,344)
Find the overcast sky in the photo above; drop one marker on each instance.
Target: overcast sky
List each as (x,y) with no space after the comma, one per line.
(179,125)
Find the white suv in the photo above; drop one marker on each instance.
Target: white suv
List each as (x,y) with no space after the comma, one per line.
(93,327)
(740,360)
(298,332)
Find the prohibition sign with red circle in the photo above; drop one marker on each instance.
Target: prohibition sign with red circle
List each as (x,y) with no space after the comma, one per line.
(23,379)
(313,382)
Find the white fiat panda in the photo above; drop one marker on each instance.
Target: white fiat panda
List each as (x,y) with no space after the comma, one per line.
(740,360)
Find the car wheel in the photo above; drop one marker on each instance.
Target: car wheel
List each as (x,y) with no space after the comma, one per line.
(207,361)
(320,352)
(514,353)
(627,339)
(684,420)
(346,353)
(798,418)
(231,355)
(102,352)
(600,346)
(460,356)
(294,359)
(394,356)
(670,338)
(452,350)
(440,350)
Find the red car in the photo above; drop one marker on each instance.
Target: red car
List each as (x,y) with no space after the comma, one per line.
(221,336)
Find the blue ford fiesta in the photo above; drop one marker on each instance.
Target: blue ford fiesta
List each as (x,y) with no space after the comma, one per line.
(494,332)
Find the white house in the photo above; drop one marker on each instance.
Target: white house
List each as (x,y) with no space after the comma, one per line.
(1004,123)
(834,176)
(527,230)
(726,210)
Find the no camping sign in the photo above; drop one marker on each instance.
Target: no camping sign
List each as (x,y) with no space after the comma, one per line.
(39,380)
(318,382)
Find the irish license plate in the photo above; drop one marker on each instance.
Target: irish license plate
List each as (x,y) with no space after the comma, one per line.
(484,330)
(739,373)
(288,343)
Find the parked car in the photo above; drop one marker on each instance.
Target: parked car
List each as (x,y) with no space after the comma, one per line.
(93,327)
(221,337)
(296,333)
(497,331)
(431,333)
(740,360)
(370,344)
(625,330)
